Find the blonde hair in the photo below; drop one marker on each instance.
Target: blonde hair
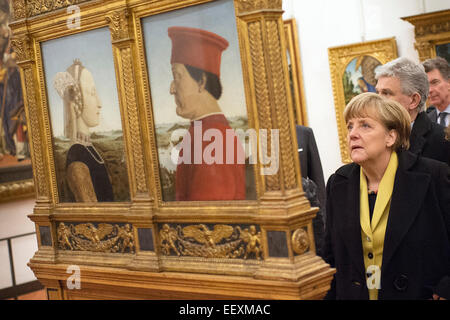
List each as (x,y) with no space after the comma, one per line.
(389,113)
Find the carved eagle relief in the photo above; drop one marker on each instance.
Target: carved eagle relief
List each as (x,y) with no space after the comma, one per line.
(95,234)
(202,234)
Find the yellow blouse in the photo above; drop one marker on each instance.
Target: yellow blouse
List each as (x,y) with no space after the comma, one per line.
(373,232)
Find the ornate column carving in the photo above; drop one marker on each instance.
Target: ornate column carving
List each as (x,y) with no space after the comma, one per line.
(425,49)
(286,214)
(271,91)
(22,46)
(123,44)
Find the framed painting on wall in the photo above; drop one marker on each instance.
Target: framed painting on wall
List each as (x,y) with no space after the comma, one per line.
(352,70)
(432,34)
(200,40)
(295,72)
(15,163)
(86,125)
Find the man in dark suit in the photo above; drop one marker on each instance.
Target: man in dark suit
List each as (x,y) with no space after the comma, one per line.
(313,181)
(438,72)
(406,82)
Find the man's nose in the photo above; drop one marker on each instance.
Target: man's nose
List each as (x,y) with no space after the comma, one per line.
(172,88)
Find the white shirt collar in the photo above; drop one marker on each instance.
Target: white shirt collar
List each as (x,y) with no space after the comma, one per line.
(206,115)
(446,110)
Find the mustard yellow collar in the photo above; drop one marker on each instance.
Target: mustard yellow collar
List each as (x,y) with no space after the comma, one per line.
(384,194)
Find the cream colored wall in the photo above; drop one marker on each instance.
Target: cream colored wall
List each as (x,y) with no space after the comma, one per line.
(328,23)
(14,221)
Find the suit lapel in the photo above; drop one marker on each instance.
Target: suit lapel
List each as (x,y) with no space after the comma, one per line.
(433,115)
(347,194)
(420,128)
(407,197)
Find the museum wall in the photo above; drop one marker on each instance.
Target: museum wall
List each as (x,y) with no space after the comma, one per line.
(325,23)
(14,222)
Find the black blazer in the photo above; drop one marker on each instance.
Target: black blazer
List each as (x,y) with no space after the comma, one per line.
(428,139)
(311,168)
(310,164)
(416,254)
(432,113)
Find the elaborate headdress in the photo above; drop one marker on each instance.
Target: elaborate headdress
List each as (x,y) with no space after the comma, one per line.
(67,84)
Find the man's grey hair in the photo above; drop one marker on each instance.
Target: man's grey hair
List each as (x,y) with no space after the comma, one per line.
(440,64)
(412,76)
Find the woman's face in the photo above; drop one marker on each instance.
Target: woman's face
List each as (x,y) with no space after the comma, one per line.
(368,140)
(92,104)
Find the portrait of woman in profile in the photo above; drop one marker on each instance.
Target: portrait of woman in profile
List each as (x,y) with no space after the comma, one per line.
(86,174)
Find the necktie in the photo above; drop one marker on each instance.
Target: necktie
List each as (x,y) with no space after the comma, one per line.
(442,116)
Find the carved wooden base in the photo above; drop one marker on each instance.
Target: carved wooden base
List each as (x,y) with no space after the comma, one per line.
(119,283)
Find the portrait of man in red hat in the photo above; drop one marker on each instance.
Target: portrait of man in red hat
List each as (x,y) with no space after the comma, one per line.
(196,87)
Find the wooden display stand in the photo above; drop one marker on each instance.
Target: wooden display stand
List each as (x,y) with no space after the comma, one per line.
(140,248)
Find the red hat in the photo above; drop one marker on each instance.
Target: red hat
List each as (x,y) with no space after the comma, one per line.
(197,48)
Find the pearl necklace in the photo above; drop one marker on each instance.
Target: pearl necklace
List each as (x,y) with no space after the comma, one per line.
(85,141)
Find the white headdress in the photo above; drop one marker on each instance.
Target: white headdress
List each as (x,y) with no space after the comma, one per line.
(67,84)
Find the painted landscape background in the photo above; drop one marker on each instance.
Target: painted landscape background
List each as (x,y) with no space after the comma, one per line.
(167,167)
(110,146)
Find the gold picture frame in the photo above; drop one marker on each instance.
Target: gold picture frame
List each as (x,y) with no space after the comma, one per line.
(16,176)
(352,72)
(295,72)
(251,248)
(431,31)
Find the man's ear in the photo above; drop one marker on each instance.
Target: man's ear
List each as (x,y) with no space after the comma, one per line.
(415,101)
(202,83)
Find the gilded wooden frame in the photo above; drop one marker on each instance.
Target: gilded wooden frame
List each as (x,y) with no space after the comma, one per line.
(382,51)
(147,234)
(296,74)
(16,180)
(17,189)
(431,30)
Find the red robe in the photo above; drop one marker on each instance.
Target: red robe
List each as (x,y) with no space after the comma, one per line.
(216,181)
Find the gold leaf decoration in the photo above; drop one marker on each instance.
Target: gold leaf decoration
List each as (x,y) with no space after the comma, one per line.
(300,241)
(118,25)
(104,237)
(252,5)
(218,241)
(37,7)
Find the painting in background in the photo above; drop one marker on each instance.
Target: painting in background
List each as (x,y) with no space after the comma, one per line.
(443,50)
(352,69)
(15,162)
(359,76)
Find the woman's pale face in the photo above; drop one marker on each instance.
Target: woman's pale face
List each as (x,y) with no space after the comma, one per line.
(368,140)
(92,104)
